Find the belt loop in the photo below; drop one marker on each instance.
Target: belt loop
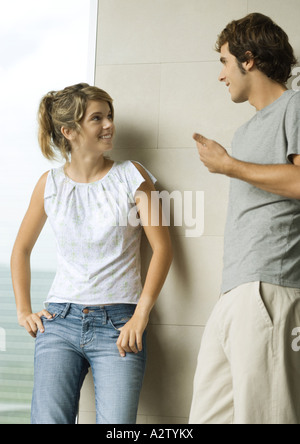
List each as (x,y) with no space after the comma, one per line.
(105,321)
(66,311)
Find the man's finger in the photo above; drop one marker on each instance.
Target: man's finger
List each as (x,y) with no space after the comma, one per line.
(200,139)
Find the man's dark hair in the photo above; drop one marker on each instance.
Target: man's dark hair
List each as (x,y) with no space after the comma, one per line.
(257,36)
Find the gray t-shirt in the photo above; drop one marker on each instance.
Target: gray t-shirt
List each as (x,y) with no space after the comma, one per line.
(262,236)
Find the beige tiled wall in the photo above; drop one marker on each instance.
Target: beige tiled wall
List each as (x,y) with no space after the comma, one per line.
(157,60)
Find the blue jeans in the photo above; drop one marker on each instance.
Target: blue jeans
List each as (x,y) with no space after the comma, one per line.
(75,339)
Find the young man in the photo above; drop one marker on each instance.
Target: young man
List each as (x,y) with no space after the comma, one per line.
(249,363)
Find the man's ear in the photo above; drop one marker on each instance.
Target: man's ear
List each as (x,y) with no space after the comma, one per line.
(250,62)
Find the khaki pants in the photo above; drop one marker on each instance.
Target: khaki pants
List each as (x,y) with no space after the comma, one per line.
(249,363)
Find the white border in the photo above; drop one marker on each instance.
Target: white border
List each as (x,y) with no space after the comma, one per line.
(92,46)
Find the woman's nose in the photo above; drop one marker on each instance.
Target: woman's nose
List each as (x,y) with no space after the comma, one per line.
(108,123)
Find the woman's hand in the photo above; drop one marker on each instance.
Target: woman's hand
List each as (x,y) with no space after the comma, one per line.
(131,336)
(32,322)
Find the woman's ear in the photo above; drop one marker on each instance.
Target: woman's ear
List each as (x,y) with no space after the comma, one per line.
(67,133)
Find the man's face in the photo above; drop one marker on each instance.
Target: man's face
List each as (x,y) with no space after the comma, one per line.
(232,75)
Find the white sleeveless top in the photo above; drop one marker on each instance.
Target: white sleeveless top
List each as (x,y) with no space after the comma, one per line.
(98,237)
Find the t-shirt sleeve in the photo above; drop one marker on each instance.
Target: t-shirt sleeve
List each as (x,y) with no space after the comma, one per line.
(292,126)
(50,188)
(135,179)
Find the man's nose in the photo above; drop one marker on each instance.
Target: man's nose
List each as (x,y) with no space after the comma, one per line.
(222,76)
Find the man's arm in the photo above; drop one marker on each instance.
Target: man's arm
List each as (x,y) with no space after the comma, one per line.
(283,180)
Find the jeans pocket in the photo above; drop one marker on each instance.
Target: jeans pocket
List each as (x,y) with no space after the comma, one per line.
(55,310)
(119,316)
(117,324)
(54,318)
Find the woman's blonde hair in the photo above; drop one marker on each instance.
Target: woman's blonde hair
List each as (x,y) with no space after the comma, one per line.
(65,108)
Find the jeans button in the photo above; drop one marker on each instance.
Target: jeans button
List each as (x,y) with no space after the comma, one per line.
(86,311)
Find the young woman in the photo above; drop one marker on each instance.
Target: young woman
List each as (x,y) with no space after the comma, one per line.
(97,311)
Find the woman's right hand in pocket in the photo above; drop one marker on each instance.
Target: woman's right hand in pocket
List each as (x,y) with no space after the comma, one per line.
(32,322)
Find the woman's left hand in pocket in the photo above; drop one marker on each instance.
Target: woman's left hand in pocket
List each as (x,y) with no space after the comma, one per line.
(131,335)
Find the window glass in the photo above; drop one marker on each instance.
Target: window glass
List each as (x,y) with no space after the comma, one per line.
(46,45)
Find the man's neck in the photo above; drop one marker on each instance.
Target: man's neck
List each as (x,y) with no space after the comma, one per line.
(264,92)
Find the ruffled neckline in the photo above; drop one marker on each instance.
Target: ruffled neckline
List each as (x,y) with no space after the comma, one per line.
(86,184)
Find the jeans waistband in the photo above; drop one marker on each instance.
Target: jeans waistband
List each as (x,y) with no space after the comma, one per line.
(80,310)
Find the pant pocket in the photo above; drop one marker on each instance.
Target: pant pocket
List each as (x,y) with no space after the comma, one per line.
(265,294)
(120,318)
(118,324)
(55,310)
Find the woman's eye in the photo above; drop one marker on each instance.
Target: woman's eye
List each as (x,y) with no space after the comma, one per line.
(98,118)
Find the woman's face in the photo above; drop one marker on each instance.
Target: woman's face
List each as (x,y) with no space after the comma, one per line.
(97,129)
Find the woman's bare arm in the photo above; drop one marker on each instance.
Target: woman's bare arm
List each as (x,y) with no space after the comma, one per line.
(130,339)
(29,232)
